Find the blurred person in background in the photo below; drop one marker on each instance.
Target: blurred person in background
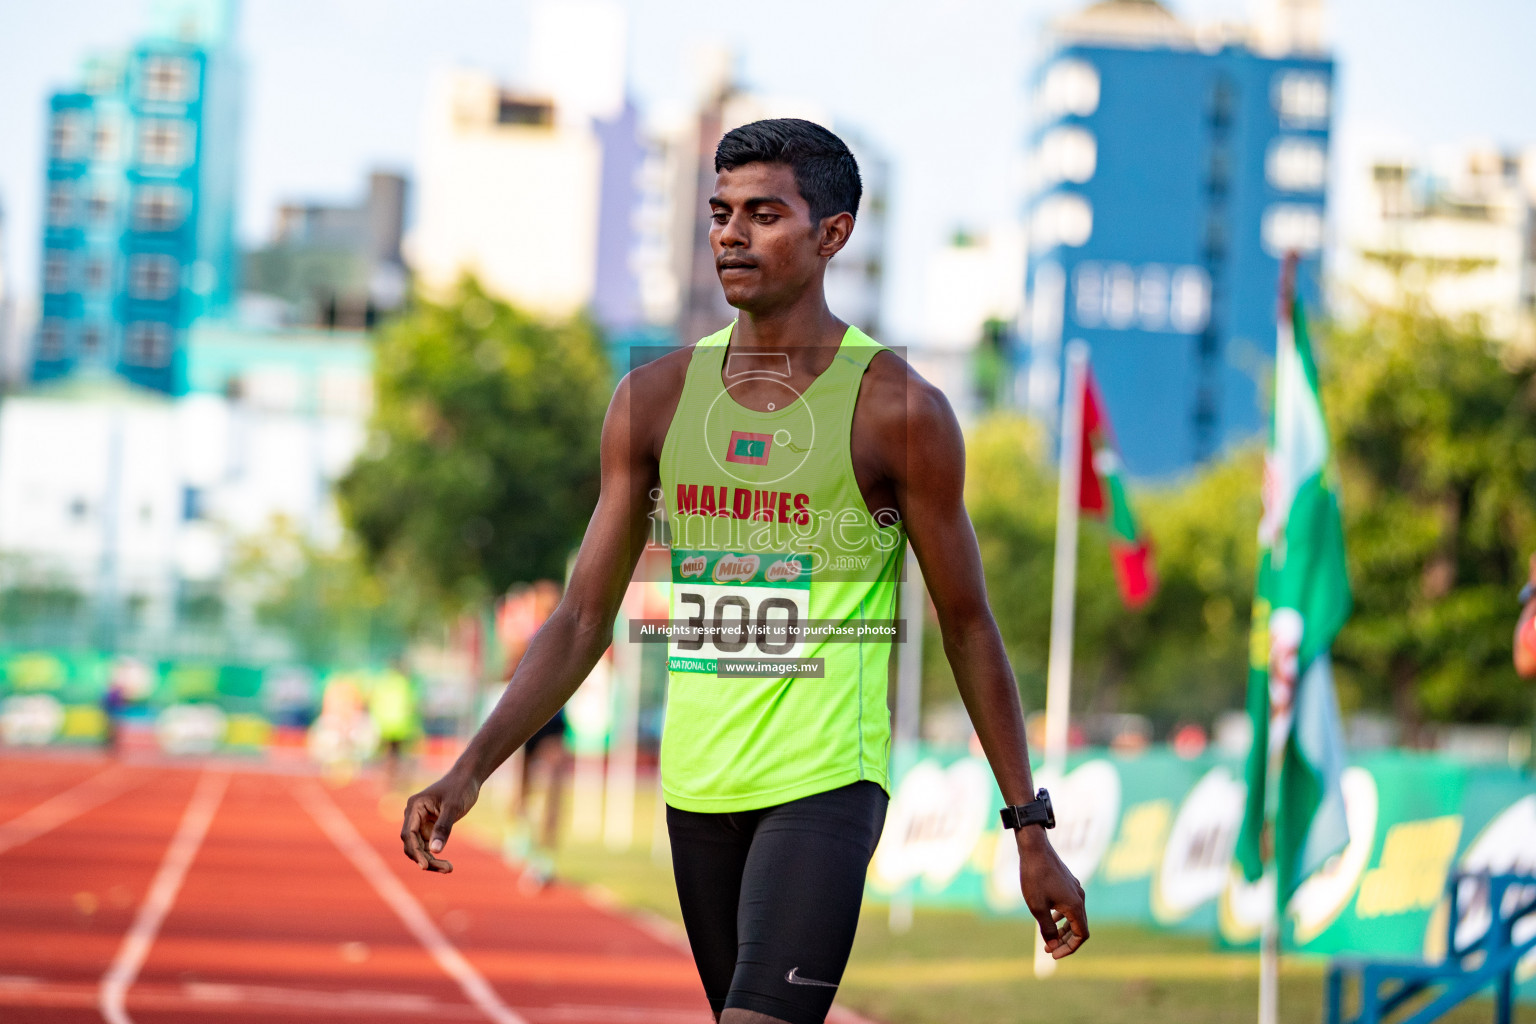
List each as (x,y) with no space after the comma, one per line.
(128,684)
(114,702)
(392,706)
(1525,647)
(1525,628)
(546,758)
(546,764)
(342,735)
(777,780)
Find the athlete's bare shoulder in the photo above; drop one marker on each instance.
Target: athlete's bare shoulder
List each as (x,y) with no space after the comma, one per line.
(900,421)
(896,401)
(649,394)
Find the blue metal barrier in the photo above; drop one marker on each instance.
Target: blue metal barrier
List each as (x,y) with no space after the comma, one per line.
(1490,959)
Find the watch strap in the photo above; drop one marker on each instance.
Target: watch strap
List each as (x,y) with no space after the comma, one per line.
(1037,812)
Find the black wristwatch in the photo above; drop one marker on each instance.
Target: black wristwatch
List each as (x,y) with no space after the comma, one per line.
(1037,812)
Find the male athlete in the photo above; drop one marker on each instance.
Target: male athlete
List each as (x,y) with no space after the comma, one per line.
(795,459)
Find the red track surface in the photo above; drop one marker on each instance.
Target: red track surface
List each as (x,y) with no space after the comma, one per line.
(278,919)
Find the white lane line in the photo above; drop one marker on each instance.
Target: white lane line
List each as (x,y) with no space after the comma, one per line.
(319,1000)
(371,866)
(616,1015)
(63,807)
(843,1015)
(162,894)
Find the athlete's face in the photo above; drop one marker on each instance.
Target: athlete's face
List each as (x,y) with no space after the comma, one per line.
(767,248)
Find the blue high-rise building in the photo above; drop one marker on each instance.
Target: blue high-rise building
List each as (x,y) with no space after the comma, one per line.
(1171,170)
(138,237)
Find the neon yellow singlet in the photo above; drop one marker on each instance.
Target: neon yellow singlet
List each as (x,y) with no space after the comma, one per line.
(769,528)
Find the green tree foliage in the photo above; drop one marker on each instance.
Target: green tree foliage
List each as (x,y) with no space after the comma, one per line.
(1184,653)
(324,601)
(1010,492)
(482,464)
(1437,445)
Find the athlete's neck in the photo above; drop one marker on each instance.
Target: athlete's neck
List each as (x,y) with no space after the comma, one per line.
(804,324)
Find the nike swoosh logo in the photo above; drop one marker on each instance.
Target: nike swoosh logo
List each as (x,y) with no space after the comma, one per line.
(793,977)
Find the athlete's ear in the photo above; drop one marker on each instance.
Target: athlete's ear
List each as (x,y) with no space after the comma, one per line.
(834,232)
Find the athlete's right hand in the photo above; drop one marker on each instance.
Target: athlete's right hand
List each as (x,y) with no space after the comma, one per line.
(429,818)
(1052,892)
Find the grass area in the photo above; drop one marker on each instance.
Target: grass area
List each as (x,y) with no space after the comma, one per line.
(954,966)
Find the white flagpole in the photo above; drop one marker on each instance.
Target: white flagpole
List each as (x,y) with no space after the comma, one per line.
(909,664)
(1269,969)
(909,699)
(623,748)
(1058,678)
(1269,938)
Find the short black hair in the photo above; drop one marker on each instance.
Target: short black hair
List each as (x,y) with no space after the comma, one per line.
(826,173)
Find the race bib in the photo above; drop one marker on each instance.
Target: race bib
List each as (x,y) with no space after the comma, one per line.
(737,606)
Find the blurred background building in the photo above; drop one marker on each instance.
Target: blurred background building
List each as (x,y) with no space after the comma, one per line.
(1460,236)
(970,314)
(508,194)
(534,188)
(172,422)
(138,241)
(330,265)
(124,512)
(1171,168)
(11,354)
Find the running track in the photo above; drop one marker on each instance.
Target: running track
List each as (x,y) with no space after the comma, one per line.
(168,893)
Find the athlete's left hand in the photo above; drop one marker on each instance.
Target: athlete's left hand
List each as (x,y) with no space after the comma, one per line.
(1052,893)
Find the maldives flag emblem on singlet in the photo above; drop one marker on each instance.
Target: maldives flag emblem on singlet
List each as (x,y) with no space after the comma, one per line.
(751,449)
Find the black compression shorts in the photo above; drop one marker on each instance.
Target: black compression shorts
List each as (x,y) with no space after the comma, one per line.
(552,729)
(771,897)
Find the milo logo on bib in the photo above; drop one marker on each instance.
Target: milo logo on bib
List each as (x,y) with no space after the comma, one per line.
(737,604)
(736,568)
(784,570)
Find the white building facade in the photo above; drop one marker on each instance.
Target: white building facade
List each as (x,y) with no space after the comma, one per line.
(533,187)
(134,500)
(507,192)
(1459,235)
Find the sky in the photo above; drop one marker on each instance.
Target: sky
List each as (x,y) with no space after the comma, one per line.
(335,88)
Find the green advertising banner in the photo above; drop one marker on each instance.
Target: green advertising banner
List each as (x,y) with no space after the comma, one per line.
(1152,839)
(49,697)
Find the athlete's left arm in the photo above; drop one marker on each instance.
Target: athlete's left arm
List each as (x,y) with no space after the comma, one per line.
(923,458)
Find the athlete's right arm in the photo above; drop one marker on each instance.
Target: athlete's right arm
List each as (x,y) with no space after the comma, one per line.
(564,650)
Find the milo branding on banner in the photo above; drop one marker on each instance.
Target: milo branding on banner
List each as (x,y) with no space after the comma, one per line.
(737,604)
(1153,838)
(1506,846)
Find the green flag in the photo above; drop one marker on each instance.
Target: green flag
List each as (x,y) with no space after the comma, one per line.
(1301,602)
